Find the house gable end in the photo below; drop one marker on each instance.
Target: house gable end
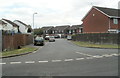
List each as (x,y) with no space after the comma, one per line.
(111,13)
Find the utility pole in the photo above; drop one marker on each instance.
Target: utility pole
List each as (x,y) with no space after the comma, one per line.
(33,25)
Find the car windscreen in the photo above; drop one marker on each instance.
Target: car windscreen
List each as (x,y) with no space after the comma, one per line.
(39,38)
(51,36)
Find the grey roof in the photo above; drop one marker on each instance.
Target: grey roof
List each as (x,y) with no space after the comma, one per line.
(75,26)
(47,28)
(2,22)
(61,27)
(24,24)
(108,11)
(14,25)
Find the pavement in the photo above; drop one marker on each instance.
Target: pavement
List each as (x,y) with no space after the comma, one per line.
(63,58)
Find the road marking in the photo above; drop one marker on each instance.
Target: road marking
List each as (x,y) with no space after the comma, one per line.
(2,63)
(30,62)
(42,61)
(97,56)
(15,62)
(80,58)
(89,57)
(84,54)
(107,55)
(56,60)
(115,54)
(68,60)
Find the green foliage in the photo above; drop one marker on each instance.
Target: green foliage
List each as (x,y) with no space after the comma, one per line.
(38,31)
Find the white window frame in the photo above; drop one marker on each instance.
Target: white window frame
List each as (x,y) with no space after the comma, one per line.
(115,21)
(113,31)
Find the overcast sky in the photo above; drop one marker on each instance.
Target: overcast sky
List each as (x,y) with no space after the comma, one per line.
(50,12)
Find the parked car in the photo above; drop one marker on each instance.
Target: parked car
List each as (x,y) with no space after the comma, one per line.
(51,39)
(57,36)
(39,41)
(47,37)
(69,37)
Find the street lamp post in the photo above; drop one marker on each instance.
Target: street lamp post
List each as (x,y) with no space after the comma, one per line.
(33,25)
(33,18)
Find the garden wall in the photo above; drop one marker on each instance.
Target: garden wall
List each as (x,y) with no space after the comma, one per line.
(100,38)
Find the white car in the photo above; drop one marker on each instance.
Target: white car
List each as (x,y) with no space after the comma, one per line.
(47,37)
(69,37)
(51,39)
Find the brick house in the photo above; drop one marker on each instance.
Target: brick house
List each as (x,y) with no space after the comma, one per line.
(101,20)
(75,29)
(62,31)
(47,30)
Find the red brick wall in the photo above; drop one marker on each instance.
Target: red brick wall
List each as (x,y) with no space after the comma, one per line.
(12,42)
(99,23)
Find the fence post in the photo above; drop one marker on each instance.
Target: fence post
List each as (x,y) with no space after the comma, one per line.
(0,40)
(0,52)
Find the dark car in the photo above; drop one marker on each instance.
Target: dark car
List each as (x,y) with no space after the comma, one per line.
(39,41)
(57,36)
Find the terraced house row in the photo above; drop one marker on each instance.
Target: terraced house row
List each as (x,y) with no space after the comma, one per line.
(65,29)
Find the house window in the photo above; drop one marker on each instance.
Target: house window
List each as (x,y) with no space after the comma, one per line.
(73,30)
(29,30)
(115,21)
(53,32)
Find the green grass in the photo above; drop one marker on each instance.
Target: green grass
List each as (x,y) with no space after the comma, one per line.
(46,40)
(87,44)
(19,51)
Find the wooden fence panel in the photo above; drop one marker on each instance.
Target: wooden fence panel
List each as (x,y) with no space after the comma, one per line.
(11,42)
(0,41)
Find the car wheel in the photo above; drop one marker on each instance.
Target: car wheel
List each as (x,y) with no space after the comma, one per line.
(43,44)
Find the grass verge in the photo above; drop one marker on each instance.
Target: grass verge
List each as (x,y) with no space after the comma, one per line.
(19,51)
(87,44)
(46,40)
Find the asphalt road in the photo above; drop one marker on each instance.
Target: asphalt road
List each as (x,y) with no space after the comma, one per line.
(63,58)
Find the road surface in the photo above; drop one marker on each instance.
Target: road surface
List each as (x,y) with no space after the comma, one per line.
(63,58)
